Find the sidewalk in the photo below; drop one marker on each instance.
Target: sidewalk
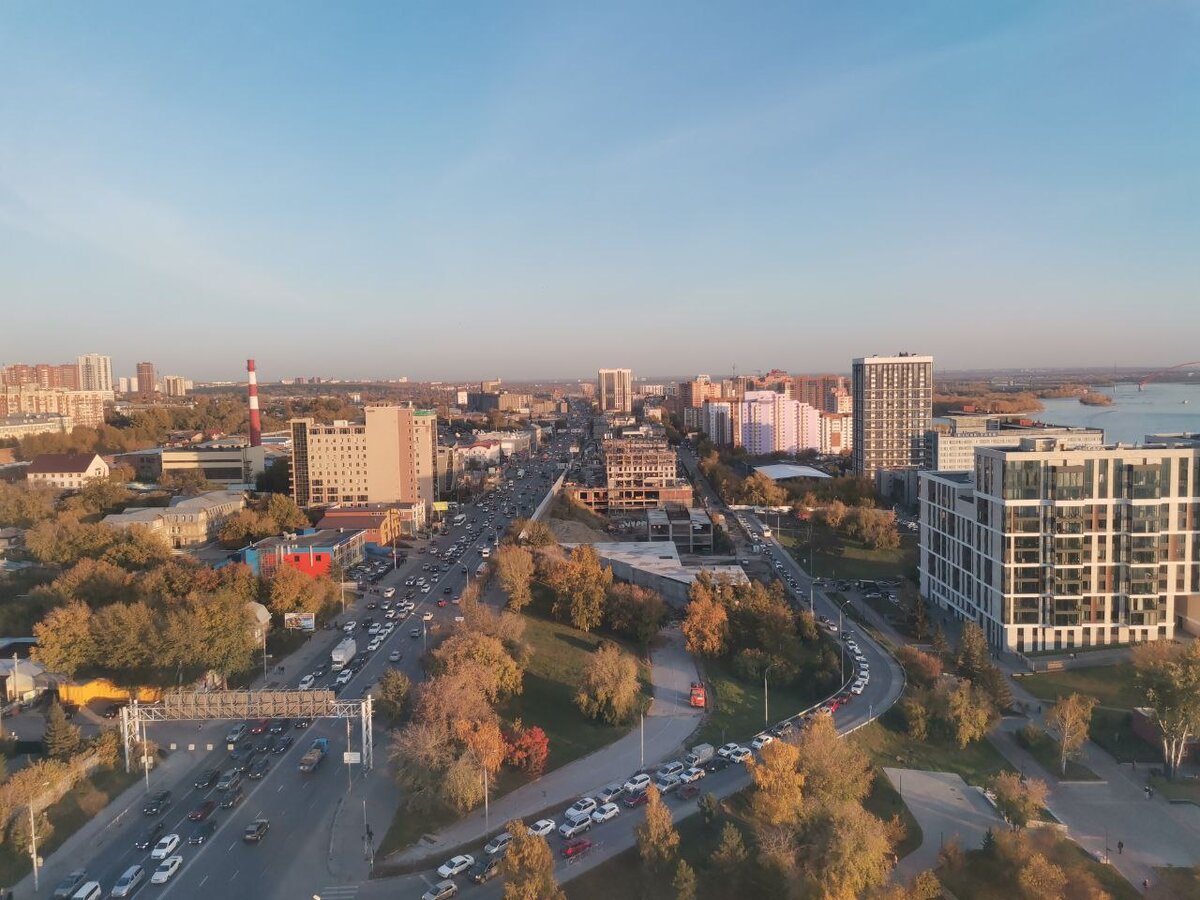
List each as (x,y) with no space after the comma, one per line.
(1099,814)
(670,720)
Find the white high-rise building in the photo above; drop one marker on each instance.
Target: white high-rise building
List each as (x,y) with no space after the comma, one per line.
(893,408)
(95,373)
(614,390)
(772,423)
(1053,546)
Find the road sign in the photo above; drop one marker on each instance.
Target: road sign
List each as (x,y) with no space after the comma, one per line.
(352,757)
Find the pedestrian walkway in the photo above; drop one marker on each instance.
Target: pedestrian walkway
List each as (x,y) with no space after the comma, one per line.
(667,726)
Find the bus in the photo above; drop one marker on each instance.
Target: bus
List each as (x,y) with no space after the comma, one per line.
(460,519)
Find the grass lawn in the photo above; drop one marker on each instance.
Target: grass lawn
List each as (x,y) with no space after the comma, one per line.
(1177,790)
(1110,685)
(558,656)
(884,801)
(1177,881)
(888,745)
(835,557)
(983,877)
(563,507)
(1112,729)
(1045,749)
(82,803)
(737,705)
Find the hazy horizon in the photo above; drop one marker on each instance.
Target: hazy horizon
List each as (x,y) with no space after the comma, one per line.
(447,192)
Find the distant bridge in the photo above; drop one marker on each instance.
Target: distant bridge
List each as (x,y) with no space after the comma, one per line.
(1154,375)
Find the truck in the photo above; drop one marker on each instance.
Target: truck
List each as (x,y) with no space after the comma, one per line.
(699,696)
(342,654)
(700,754)
(316,752)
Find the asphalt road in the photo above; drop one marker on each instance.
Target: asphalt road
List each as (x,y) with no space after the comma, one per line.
(302,808)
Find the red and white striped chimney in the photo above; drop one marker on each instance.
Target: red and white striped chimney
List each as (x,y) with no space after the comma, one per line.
(255,418)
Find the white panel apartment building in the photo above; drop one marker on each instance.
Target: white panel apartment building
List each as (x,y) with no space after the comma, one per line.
(1052,547)
(773,423)
(614,390)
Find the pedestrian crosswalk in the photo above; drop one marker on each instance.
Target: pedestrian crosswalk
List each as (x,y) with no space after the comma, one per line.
(339,892)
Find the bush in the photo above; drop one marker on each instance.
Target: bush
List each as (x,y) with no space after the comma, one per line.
(1030,735)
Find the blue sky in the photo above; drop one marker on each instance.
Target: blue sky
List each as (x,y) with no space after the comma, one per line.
(453,190)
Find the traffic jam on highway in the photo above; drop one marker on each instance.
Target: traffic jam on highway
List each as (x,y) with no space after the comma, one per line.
(158,846)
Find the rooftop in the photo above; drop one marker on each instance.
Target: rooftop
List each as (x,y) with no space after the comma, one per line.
(319,539)
(784,471)
(659,558)
(54,463)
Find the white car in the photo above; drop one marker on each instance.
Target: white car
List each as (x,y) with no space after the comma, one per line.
(349,627)
(165,846)
(306,682)
(695,773)
(605,812)
(857,687)
(389,592)
(761,741)
(424,589)
(580,809)
(740,755)
(374,645)
(344,677)
(456,865)
(166,869)
(394,656)
(541,827)
(674,767)
(727,749)
(636,784)
(374,629)
(498,844)
(427,616)
(575,827)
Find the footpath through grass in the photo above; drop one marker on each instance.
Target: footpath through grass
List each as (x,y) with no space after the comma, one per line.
(1046,750)
(558,656)
(888,745)
(82,803)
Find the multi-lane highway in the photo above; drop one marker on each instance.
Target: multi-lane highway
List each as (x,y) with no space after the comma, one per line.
(316,819)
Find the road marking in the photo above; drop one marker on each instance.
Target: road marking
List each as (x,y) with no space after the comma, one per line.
(234,875)
(339,891)
(280,788)
(202,880)
(231,846)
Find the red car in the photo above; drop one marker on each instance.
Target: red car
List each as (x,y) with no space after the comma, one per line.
(441,603)
(259,726)
(203,811)
(577,847)
(636,799)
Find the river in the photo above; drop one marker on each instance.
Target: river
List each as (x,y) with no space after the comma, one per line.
(1134,414)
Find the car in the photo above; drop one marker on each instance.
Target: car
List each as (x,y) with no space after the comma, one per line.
(165,846)
(150,836)
(259,767)
(667,783)
(636,784)
(415,632)
(301,724)
(157,804)
(202,832)
(282,743)
(376,642)
(344,677)
(572,828)
(349,627)
(541,827)
(858,687)
(717,764)
(447,590)
(726,749)
(389,592)
(203,811)
(279,726)
(498,844)
(610,793)
(264,746)
(441,891)
(456,865)
(235,734)
(207,779)
(306,683)
(232,798)
(256,831)
(66,888)
(576,848)
(695,773)
(761,741)
(674,767)
(425,589)
(259,726)
(484,869)
(129,882)
(580,809)
(605,812)
(427,616)
(740,755)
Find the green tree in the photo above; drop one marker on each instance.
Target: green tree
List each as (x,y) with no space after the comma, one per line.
(496,672)
(759,490)
(710,808)
(1071,717)
(515,569)
(1170,676)
(25,505)
(609,689)
(61,738)
(1018,801)
(586,585)
(635,611)
(848,852)
(730,855)
(685,881)
(939,645)
(657,839)
(972,657)
(188,482)
(835,770)
(968,712)
(528,867)
(64,639)
(778,796)
(392,693)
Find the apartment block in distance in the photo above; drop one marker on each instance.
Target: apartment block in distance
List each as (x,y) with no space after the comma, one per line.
(772,423)
(640,473)
(1054,547)
(388,458)
(84,408)
(893,408)
(95,373)
(614,390)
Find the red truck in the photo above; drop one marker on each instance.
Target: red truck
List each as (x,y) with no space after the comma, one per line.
(699,697)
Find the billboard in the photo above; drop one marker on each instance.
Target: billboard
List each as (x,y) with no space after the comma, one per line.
(300,621)
(441,506)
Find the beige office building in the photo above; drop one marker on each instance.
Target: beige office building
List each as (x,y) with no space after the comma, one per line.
(1052,547)
(84,408)
(388,458)
(614,390)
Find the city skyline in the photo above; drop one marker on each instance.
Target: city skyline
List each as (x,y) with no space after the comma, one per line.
(973,181)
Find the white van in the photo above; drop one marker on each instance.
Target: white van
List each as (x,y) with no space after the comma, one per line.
(88,891)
